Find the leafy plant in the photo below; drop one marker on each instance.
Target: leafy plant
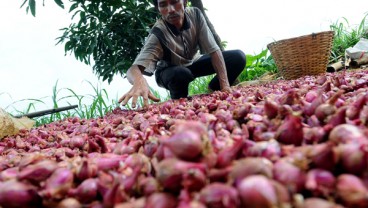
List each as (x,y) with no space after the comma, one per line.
(110,32)
(346,36)
(200,85)
(257,65)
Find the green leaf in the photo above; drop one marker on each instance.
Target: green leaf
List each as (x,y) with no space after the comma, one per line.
(73,6)
(25,1)
(32,7)
(68,46)
(60,3)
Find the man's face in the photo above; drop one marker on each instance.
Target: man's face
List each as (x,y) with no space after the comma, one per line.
(172,11)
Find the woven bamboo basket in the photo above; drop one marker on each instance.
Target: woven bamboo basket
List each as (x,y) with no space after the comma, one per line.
(304,55)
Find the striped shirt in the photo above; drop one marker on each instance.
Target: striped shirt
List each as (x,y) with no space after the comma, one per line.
(168,46)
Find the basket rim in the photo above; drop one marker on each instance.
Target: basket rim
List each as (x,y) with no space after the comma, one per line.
(299,37)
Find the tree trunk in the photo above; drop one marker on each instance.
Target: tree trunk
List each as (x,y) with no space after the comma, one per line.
(199,5)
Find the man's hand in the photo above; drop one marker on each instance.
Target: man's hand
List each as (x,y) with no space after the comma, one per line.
(227,89)
(140,89)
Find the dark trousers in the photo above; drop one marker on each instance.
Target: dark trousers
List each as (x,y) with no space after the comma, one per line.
(176,79)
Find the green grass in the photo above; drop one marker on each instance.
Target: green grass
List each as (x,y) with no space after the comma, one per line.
(200,85)
(98,105)
(346,36)
(257,65)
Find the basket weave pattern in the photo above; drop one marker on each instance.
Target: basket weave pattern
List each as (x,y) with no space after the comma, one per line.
(304,55)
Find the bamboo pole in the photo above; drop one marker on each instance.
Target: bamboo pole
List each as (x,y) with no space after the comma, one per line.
(335,66)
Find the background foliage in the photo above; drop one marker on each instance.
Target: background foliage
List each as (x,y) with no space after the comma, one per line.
(346,36)
(105,34)
(109,34)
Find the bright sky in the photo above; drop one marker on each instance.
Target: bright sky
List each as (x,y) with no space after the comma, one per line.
(31,64)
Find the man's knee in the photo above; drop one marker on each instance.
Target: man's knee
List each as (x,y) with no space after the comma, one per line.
(181,75)
(240,58)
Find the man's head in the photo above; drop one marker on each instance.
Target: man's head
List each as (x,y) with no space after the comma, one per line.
(171,11)
(155,3)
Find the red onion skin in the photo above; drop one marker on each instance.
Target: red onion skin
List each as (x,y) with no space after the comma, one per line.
(356,107)
(139,161)
(148,185)
(324,110)
(161,200)
(282,193)
(93,146)
(8,174)
(363,116)
(250,166)
(267,149)
(86,192)
(310,109)
(351,190)
(38,172)
(289,175)
(150,147)
(271,109)
(311,96)
(194,180)
(257,191)
(291,131)
(352,157)
(227,155)
(136,203)
(290,97)
(93,131)
(78,141)
(231,125)
(320,203)
(69,203)
(17,194)
(346,133)
(86,170)
(170,172)
(129,180)
(219,195)
(338,118)
(107,163)
(313,121)
(330,147)
(58,184)
(219,174)
(323,156)
(240,112)
(191,204)
(105,181)
(196,126)
(326,85)
(329,108)
(314,135)
(31,158)
(137,120)
(114,195)
(210,157)
(185,145)
(320,182)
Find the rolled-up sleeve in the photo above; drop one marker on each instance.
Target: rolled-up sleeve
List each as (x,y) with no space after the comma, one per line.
(150,53)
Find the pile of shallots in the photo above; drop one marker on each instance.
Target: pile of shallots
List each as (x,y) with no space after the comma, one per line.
(300,143)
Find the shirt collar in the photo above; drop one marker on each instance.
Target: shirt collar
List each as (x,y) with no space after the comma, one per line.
(174,30)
